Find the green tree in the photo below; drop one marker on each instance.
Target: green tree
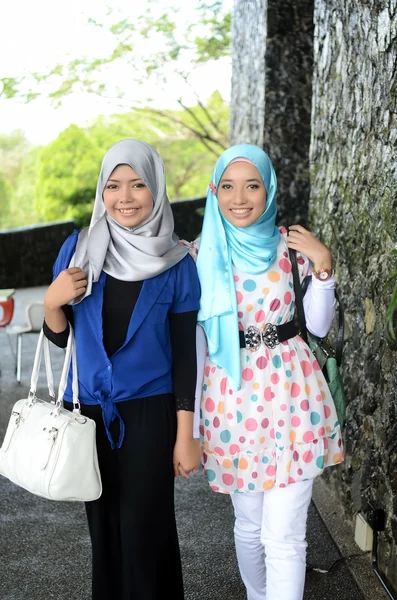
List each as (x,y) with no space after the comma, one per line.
(14,159)
(66,177)
(5,196)
(24,212)
(21,209)
(13,149)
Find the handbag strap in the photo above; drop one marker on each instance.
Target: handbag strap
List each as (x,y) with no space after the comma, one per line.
(36,368)
(48,367)
(70,356)
(300,291)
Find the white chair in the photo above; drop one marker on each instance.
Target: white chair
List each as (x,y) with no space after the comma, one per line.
(34,317)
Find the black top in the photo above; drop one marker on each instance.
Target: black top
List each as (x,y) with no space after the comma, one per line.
(119,300)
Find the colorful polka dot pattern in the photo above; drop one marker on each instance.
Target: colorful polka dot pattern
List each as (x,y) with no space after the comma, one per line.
(281,426)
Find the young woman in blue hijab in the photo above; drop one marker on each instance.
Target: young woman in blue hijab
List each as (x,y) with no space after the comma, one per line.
(268,422)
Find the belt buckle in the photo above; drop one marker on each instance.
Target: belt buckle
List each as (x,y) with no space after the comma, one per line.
(269,336)
(252,338)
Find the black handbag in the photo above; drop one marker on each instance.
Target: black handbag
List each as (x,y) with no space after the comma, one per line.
(328,355)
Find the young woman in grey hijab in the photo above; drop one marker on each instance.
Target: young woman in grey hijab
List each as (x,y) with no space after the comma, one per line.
(131,292)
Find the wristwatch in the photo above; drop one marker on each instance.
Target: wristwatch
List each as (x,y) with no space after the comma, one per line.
(323,274)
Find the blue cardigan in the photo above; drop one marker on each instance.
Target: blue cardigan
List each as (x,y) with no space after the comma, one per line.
(142,366)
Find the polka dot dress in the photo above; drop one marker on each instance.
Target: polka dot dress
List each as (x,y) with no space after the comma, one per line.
(281,426)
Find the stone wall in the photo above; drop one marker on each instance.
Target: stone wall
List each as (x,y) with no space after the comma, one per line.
(247,107)
(354,208)
(188,216)
(27,254)
(288,92)
(272,46)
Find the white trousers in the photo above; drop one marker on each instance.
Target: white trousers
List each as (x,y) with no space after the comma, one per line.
(270,537)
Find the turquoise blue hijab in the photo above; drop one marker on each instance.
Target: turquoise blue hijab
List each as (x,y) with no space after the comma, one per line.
(250,249)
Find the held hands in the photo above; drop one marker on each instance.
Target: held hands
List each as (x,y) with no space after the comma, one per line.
(187,456)
(303,241)
(69,284)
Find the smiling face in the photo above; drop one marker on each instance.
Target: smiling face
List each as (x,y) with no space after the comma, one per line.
(241,194)
(126,197)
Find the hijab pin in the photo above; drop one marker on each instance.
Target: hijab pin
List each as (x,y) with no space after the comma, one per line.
(212,187)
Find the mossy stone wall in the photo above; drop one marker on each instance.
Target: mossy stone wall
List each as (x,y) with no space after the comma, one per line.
(353,206)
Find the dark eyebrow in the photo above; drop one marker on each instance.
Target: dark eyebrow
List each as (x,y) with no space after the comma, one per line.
(130,181)
(247,181)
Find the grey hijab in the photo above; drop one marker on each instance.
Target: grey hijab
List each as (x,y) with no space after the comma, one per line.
(129,254)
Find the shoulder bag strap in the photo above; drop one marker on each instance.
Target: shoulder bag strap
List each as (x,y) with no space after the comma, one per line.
(298,295)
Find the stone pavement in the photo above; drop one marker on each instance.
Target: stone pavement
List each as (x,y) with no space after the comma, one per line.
(45,548)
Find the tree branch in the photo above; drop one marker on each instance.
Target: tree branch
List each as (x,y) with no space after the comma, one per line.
(198,134)
(201,105)
(207,134)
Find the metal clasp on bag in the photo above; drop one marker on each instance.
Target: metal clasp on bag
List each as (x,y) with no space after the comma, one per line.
(13,424)
(17,417)
(52,433)
(31,398)
(326,347)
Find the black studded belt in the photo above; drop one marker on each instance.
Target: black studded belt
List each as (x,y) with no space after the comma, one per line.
(269,335)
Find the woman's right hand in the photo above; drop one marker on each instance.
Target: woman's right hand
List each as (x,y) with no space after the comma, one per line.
(70,284)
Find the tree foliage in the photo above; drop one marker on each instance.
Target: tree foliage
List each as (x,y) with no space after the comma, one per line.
(151,46)
(15,161)
(66,177)
(5,196)
(13,150)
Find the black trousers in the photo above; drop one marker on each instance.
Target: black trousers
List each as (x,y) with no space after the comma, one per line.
(135,550)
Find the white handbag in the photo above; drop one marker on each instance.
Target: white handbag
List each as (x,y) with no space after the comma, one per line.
(48,450)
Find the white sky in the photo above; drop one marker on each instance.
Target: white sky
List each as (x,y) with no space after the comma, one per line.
(36,35)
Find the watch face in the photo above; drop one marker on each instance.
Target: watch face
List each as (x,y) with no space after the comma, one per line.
(324,275)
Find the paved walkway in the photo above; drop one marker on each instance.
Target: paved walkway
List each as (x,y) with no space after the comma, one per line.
(45,548)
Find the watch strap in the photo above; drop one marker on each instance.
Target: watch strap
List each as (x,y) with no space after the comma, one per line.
(322,274)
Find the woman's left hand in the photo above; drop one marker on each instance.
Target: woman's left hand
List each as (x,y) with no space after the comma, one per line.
(187,456)
(305,242)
